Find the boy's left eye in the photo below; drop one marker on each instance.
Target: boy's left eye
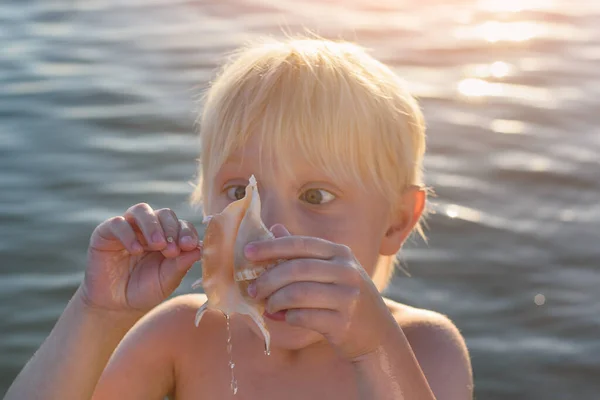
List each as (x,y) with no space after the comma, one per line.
(316,196)
(236,192)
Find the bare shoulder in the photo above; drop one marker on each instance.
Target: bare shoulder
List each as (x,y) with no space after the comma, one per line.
(172,317)
(176,312)
(440,349)
(144,365)
(422,321)
(172,324)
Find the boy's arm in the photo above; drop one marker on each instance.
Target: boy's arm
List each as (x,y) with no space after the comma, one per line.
(135,261)
(433,365)
(72,358)
(72,362)
(143,365)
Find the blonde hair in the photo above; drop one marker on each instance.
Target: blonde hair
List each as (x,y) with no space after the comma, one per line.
(348,113)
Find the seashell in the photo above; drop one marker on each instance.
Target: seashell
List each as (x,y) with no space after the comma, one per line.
(226,273)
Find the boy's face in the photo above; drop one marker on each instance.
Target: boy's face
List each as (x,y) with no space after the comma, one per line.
(308,204)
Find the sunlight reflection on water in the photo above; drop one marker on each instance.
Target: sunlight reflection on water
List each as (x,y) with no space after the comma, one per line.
(98,104)
(515,5)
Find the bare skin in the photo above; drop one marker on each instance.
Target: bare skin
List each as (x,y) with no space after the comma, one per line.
(339,339)
(192,363)
(165,354)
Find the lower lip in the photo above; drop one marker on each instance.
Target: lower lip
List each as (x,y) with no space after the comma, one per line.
(278,316)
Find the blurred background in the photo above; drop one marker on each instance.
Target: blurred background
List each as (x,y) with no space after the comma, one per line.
(97,106)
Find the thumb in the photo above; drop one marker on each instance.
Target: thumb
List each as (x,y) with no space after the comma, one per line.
(279,230)
(173,270)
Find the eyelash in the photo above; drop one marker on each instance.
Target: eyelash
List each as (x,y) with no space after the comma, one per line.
(328,195)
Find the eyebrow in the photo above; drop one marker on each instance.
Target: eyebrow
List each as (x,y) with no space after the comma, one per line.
(233,158)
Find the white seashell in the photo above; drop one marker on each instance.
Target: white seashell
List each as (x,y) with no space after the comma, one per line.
(226,273)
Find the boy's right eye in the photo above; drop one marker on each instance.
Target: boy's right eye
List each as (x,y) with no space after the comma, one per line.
(236,192)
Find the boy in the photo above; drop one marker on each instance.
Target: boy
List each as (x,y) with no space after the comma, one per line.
(336,144)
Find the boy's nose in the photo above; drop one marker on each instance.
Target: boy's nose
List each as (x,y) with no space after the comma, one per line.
(273,211)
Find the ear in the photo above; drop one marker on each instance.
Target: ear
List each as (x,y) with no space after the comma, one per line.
(410,208)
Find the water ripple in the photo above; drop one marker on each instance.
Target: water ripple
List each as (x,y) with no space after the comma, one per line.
(98,101)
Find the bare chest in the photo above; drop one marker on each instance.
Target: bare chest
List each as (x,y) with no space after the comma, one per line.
(315,384)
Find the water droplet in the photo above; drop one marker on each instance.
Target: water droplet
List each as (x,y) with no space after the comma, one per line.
(233,385)
(539,299)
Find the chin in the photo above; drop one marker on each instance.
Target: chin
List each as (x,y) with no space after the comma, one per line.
(285,336)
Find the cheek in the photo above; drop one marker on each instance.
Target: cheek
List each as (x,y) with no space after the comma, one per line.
(335,228)
(363,235)
(366,251)
(361,231)
(215,203)
(356,232)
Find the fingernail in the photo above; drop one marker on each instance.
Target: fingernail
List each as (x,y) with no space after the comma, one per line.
(171,247)
(187,240)
(249,250)
(136,247)
(252,289)
(157,237)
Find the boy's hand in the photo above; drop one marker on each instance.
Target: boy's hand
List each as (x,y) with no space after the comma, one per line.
(137,260)
(322,287)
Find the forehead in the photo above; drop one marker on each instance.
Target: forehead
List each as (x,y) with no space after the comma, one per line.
(262,156)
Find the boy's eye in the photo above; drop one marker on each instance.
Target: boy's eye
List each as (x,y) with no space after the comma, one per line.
(236,192)
(317,196)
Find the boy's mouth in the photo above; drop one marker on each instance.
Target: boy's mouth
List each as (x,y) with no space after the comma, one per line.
(278,316)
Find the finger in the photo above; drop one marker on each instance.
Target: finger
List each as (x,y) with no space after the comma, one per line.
(311,295)
(126,235)
(323,321)
(290,247)
(279,230)
(188,236)
(114,234)
(143,217)
(297,270)
(170,226)
(173,270)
